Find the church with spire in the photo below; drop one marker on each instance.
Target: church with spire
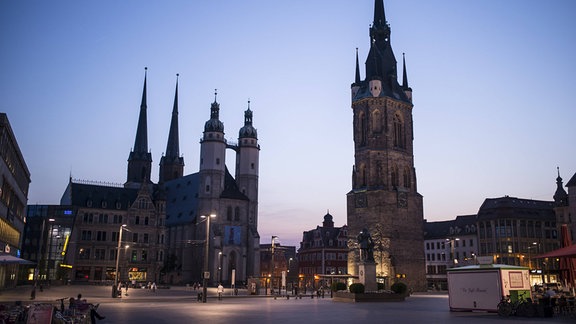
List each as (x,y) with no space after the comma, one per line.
(384,199)
(157,232)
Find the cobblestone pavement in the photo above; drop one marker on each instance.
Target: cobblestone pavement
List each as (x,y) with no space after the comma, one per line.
(180,305)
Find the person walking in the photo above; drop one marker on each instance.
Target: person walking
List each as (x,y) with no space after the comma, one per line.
(220,291)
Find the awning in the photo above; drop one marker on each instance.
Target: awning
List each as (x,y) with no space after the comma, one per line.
(569,251)
(10,259)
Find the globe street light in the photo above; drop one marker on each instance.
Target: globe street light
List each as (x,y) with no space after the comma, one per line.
(115,287)
(206,256)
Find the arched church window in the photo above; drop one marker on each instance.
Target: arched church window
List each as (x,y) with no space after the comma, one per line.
(407,178)
(362,128)
(229,213)
(394,176)
(399,138)
(376,121)
(363,175)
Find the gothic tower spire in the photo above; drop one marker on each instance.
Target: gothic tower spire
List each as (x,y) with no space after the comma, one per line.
(384,197)
(172,164)
(405,86)
(140,159)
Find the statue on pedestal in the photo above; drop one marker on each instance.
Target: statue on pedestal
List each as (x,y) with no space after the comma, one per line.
(366,245)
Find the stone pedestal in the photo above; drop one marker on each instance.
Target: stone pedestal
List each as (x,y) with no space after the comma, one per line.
(367,275)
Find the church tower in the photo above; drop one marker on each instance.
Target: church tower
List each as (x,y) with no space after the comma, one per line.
(172,164)
(212,161)
(247,165)
(140,159)
(384,197)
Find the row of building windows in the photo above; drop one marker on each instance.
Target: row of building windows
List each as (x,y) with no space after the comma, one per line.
(508,228)
(442,256)
(435,269)
(135,255)
(90,218)
(446,244)
(101,236)
(327,256)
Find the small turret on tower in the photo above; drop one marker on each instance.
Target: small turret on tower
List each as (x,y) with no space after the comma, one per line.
(405,86)
(560,196)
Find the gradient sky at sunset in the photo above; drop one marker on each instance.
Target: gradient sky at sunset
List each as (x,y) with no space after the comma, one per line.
(493,84)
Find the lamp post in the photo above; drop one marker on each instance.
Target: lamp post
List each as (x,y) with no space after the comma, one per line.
(272,265)
(115,287)
(220,267)
(453,259)
(206,273)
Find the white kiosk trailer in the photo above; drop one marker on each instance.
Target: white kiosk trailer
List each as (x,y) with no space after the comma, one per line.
(481,287)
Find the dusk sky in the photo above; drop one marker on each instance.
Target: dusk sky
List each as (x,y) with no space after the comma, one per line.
(493,81)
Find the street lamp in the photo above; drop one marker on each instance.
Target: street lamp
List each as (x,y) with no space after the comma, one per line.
(206,256)
(115,287)
(220,266)
(452,256)
(272,265)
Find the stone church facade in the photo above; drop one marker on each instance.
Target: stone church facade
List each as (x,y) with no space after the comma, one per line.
(384,197)
(165,236)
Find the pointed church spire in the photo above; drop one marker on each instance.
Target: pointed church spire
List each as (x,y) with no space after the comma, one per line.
(379,15)
(140,159)
(173,147)
(141,141)
(172,164)
(357,77)
(381,63)
(404,74)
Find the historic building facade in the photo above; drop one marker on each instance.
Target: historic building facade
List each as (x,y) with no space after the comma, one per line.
(234,242)
(160,228)
(384,197)
(448,244)
(565,205)
(323,254)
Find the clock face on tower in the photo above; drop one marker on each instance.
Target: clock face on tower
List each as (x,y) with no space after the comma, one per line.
(402,199)
(360,201)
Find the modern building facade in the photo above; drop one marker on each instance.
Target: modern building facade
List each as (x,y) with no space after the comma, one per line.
(14,184)
(47,237)
(384,197)
(512,230)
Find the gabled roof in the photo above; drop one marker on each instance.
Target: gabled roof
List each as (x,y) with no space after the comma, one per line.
(98,196)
